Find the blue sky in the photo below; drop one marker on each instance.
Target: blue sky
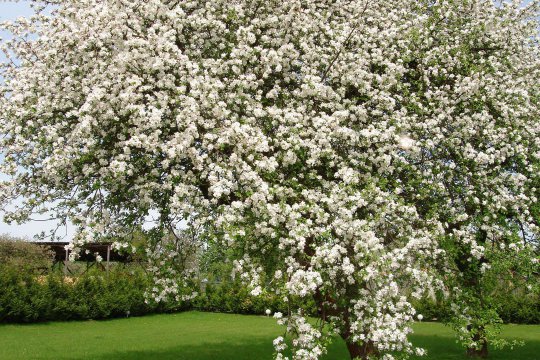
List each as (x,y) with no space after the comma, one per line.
(12,10)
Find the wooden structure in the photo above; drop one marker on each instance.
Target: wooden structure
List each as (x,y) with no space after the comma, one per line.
(88,254)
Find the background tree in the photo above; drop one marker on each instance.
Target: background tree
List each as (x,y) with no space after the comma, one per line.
(26,257)
(330,145)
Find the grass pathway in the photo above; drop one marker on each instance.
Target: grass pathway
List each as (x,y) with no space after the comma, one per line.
(206,336)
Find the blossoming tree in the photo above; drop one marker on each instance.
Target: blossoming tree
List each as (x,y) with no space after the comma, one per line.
(331,146)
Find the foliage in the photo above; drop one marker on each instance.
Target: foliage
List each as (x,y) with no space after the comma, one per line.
(96,295)
(519,308)
(484,286)
(234,298)
(26,297)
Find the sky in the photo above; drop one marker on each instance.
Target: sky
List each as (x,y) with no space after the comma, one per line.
(11,10)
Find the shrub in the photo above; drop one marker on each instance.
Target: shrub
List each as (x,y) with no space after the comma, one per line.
(94,295)
(233,297)
(432,309)
(25,297)
(519,309)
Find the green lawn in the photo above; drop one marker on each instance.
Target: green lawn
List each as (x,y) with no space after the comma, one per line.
(195,335)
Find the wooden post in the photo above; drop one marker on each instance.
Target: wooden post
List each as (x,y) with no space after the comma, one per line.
(108,256)
(66,262)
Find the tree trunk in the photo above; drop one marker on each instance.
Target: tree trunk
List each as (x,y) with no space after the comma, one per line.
(362,352)
(483,351)
(356,351)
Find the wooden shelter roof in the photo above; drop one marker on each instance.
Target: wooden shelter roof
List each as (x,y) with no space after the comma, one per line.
(100,248)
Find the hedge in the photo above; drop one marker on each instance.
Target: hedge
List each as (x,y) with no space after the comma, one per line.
(27,297)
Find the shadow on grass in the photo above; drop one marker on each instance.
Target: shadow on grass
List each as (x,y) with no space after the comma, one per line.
(439,348)
(255,349)
(259,349)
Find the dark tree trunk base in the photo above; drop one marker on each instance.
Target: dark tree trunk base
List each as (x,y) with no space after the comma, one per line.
(478,353)
(477,336)
(361,352)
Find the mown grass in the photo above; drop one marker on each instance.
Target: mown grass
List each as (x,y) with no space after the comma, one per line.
(205,336)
